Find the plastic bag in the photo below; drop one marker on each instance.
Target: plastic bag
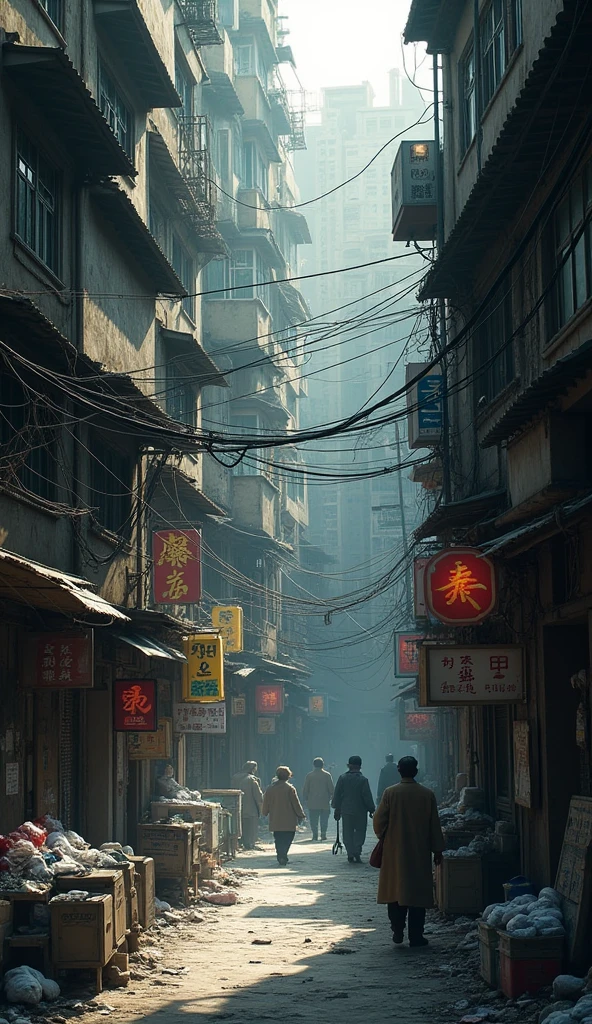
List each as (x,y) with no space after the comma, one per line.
(517,922)
(525,933)
(548,893)
(38,870)
(582,1009)
(510,914)
(221,899)
(67,866)
(21,986)
(76,841)
(6,844)
(495,918)
(488,910)
(33,833)
(20,855)
(567,986)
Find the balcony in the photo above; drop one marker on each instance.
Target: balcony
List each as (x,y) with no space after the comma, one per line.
(231,321)
(254,215)
(258,123)
(260,17)
(201,17)
(254,505)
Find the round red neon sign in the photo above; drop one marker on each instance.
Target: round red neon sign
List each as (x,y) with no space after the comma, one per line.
(460,586)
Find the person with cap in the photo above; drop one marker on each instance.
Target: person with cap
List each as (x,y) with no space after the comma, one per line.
(407,820)
(388,776)
(317,793)
(352,803)
(251,804)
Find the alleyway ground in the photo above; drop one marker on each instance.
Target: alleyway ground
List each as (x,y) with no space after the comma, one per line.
(349,969)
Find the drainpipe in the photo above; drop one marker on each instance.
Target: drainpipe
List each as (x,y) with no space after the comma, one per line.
(446,489)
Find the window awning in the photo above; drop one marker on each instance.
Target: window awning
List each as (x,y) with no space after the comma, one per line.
(433,22)
(49,80)
(128,34)
(458,514)
(258,130)
(295,302)
(555,380)
(298,226)
(187,349)
(135,235)
(219,86)
(39,586)
(263,239)
(151,648)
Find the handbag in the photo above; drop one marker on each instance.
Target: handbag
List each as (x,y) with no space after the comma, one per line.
(375,860)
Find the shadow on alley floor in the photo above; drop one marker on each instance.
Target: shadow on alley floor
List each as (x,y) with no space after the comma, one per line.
(330,953)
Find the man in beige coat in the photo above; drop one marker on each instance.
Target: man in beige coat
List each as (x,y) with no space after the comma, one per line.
(408,819)
(285,811)
(317,794)
(252,802)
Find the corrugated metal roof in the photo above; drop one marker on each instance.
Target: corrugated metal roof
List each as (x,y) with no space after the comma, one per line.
(558,378)
(128,34)
(151,648)
(51,82)
(555,518)
(457,514)
(39,586)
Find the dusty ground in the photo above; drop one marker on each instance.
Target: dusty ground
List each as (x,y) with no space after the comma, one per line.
(331,956)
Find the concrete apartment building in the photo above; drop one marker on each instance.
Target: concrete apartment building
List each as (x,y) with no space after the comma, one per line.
(107,222)
(515,272)
(359,524)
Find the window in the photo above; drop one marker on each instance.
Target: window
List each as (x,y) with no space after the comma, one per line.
(54,9)
(574,282)
(28,441)
(183,265)
(237,153)
(223,153)
(181,396)
(244,59)
(36,220)
(245,270)
(255,169)
(115,111)
(226,13)
(184,85)
(467,102)
(493,48)
(110,487)
(494,355)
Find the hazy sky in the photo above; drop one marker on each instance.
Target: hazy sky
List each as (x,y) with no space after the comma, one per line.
(342,42)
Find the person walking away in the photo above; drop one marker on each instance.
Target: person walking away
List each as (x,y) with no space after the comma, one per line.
(285,812)
(388,776)
(251,804)
(408,819)
(317,795)
(352,802)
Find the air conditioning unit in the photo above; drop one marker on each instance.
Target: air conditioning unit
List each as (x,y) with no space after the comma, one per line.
(413,189)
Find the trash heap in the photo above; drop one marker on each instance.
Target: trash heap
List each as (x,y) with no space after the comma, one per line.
(38,851)
(527,916)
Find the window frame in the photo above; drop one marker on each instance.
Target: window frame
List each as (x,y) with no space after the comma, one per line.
(185,79)
(110,98)
(54,10)
(111,510)
(562,240)
(33,191)
(181,396)
(494,362)
(184,266)
(467,93)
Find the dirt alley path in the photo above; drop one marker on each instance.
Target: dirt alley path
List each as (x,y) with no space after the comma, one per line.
(349,967)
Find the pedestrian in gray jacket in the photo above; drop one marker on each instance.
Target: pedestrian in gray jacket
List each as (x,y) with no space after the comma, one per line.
(352,803)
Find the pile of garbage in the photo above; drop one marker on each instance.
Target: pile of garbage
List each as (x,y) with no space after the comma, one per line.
(471,820)
(526,916)
(572,1001)
(35,853)
(478,847)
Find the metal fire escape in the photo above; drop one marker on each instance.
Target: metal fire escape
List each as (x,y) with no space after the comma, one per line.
(201,17)
(196,168)
(297,121)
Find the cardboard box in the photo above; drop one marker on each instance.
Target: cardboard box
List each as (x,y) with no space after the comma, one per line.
(171,848)
(110,882)
(82,932)
(145,885)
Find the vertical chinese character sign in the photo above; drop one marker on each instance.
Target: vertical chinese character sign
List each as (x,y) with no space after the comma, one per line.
(407,654)
(203,674)
(269,699)
(62,661)
(228,619)
(135,705)
(460,586)
(176,558)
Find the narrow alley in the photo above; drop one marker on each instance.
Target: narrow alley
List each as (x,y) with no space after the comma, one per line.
(328,953)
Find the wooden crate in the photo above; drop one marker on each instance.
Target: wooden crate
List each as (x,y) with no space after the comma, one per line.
(109,881)
(174,850)
(145,880)
(231,800)
(488,953)
(131,896)
(82,931)
(459,885)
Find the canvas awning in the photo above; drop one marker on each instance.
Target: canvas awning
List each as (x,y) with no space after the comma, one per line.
(39,586)
(151,648)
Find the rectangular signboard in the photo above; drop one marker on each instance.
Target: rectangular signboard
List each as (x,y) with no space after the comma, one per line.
(452,675)
(425,405)
(407,654)
(202,718)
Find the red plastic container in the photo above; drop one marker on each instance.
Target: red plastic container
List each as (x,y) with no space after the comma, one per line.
(520,976)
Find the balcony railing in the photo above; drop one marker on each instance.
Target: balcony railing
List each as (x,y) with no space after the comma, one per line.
(201,18)
(195,163)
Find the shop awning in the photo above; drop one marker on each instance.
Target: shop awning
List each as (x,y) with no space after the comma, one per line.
(151,648)
(537,530)
(49,80)
(185,348)
(554,381)
(136,237)
(459,514)
(128,34)
(40,586)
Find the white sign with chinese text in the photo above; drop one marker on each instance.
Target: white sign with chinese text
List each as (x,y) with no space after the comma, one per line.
(210,718)
(451,675)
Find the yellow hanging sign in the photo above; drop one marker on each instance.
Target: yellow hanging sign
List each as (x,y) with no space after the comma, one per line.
(203,674)
(229,620)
